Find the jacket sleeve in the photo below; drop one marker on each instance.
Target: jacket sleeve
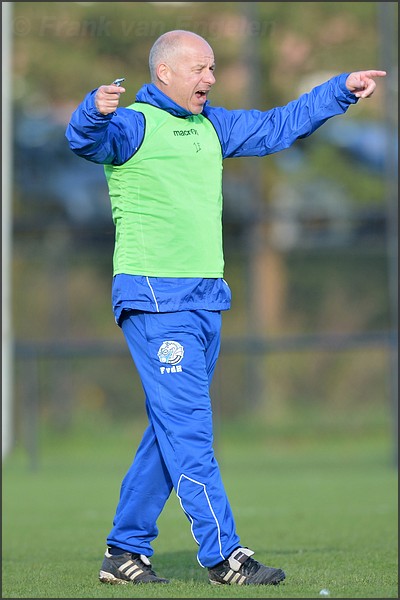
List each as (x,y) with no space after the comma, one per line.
(105,139)
(256,133)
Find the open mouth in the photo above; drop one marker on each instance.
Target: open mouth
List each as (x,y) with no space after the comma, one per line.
(201,95)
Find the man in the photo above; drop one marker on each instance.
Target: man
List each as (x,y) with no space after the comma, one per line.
(163,163)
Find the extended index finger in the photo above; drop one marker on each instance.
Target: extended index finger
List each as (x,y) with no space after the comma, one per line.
(374,73)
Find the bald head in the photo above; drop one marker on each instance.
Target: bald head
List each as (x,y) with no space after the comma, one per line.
(168,47)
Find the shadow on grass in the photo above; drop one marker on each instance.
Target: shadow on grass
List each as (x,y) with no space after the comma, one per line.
(180,565)
(183,564)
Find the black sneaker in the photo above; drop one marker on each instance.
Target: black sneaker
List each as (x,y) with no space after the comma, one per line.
(241,569)
(128,568)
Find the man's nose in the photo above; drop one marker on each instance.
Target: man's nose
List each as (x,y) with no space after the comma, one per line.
(209,77)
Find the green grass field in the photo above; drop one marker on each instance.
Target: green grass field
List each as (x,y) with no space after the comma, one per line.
(318,500)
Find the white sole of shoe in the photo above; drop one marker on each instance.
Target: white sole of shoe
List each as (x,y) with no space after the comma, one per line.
(110,578)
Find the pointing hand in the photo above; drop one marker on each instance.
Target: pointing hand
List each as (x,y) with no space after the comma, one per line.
(362,84)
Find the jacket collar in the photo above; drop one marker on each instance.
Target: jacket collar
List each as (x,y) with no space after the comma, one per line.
(150,94)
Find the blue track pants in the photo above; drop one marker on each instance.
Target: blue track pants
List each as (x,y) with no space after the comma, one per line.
(175,355)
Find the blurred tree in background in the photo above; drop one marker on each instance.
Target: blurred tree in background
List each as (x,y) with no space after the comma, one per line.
(62,49)
(305,230)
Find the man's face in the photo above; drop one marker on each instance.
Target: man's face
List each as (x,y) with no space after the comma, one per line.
(190,75)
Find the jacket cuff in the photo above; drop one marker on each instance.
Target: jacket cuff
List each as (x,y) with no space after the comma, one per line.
(346,94)
(91,110)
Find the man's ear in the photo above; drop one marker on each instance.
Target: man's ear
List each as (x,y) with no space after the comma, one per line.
(163,73)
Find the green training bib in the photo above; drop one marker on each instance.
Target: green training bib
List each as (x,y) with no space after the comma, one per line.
(167,199)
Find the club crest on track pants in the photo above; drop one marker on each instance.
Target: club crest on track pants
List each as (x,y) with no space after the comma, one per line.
(175,355)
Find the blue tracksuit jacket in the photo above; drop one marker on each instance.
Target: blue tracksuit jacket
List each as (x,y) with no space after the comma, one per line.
(172,326)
